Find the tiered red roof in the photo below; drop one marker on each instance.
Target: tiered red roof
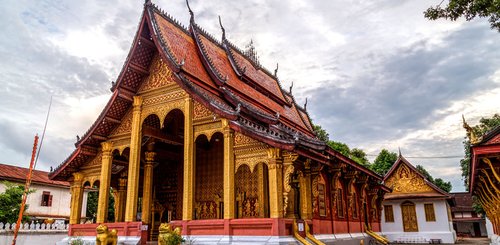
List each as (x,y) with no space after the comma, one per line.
(217,75)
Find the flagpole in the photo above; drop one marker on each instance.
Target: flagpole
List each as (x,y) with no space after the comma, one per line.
(26,189)
(34,159)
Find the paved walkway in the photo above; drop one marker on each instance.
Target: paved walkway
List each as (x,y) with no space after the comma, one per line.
(480,240)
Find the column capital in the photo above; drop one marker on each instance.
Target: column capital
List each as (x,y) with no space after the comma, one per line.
(122,183)
(137,101)
(107,146)
(274,153)
(150,156)
(77,177)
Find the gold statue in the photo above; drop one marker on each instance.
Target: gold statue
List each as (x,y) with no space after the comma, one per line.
(470,131)
(105,237)
(169,236)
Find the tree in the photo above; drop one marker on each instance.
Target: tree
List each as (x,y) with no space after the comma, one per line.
(321,133)
(355,154)
(384,161)
(485,125)
(359,156)
(10,203)
(340,147)
(469,9)
(92,203)
(445,186)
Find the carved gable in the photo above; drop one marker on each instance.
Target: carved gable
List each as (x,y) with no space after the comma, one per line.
(405,180)
(160,75)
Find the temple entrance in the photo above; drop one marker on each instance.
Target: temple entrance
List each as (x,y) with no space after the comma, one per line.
(252,192)
(165,144)
(409,215)
(209,166)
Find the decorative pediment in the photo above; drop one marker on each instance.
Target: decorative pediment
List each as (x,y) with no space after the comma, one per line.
(406,180)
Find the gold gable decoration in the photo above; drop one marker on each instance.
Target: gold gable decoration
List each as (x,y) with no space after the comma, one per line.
(404,180)
(159,76)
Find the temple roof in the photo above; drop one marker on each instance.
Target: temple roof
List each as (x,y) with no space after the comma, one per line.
(216,74)
(407,182)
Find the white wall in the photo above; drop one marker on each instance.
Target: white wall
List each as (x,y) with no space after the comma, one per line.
(61,200)
(440,229)
(33,237)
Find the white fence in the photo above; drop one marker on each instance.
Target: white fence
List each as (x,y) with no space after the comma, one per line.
(40,234)
(33,227)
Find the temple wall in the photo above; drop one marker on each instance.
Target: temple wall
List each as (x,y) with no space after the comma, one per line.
(439,229)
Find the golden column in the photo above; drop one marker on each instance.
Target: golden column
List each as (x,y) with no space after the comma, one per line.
(262,191)
(76,198)
(306,191)
(120,198)
(134,161)
(147,192)
(229,199)
(275,183)
(107,160)
(189,171)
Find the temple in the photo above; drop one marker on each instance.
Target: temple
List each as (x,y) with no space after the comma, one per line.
(484,178)
(198,134)
(416,211)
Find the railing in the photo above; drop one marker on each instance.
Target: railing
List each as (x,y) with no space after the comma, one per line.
(297,235)
(377,237)
(311,237)
(34,227)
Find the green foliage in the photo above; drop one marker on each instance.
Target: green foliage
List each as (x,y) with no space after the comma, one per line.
(10,202)
(340,147)
(173,239)
(384,161)
(92,203)
(469,9)
(423,171)
(476,206)
(485,125)
(445,186)
(359,156)
(321,133)
(355,154)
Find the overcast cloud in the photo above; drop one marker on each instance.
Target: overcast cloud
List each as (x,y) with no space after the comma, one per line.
(376,73)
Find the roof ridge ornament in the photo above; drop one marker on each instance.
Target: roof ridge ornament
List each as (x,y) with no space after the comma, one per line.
(223,30)
(291,87)
(470,131)
(276,70)
(305,105)
(190,11)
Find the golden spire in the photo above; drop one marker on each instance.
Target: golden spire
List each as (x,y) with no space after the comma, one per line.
(470,132)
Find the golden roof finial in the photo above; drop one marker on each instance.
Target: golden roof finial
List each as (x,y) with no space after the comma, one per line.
(470,132)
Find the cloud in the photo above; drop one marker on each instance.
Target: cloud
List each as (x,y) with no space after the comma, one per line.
(377,74)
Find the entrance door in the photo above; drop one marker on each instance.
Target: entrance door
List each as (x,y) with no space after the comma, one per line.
(409,217)
(477,230)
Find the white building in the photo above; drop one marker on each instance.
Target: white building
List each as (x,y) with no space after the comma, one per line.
(51,199)
(416,211)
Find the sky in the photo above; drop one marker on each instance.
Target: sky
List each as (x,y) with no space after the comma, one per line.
(376,74)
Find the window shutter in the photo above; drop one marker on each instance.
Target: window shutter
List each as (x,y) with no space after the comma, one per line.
(49,203)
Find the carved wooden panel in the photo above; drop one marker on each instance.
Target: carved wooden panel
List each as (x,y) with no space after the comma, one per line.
(200,111)
(159,75)
(405,180)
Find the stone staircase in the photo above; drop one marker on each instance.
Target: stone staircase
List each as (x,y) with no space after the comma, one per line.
(411,239)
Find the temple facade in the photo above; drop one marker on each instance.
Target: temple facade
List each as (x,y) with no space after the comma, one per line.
(484,178)
(416,211)
(199,135)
